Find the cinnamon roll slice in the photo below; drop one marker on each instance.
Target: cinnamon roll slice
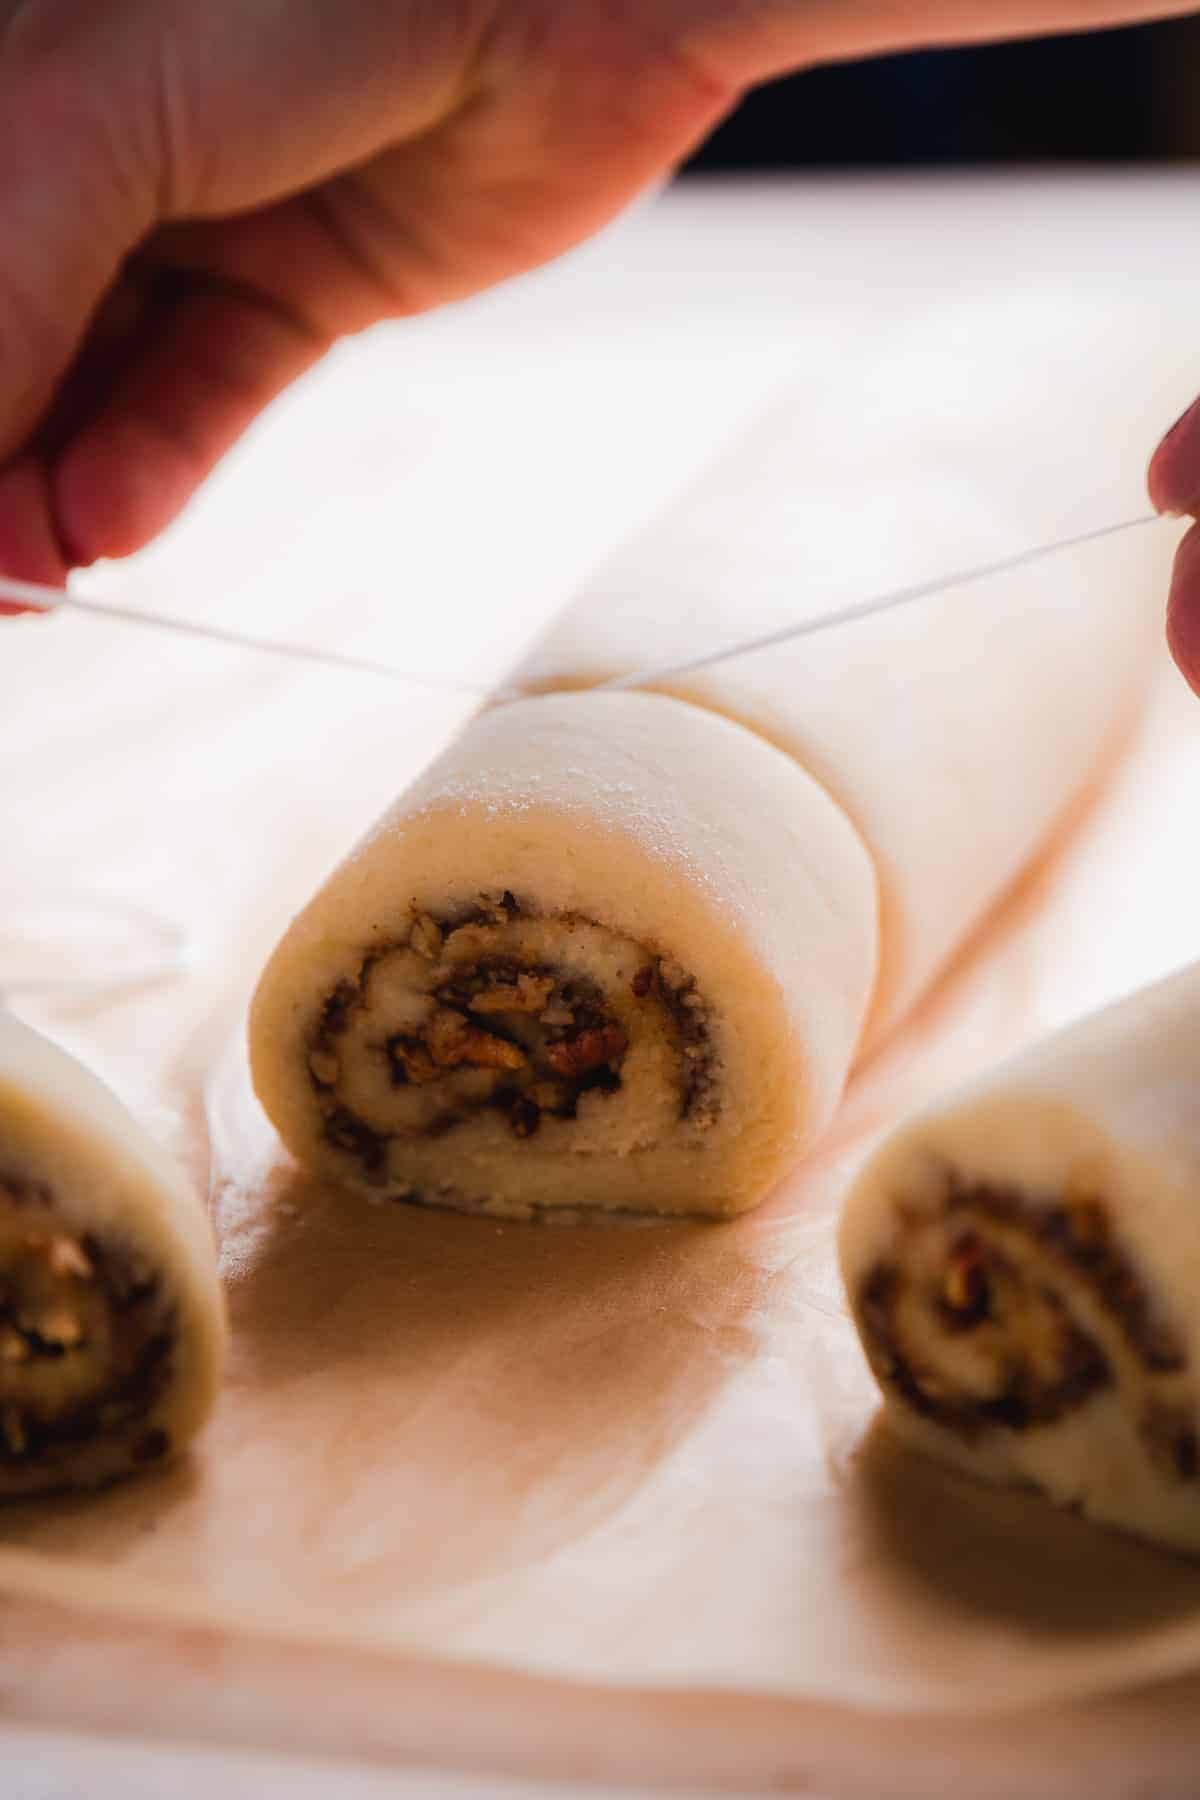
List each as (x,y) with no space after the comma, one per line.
(111,1321)
(1023,1263)
(611,952)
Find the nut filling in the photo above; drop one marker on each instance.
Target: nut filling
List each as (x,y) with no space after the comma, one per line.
(86,1344)
(544,1025)
(998,1311)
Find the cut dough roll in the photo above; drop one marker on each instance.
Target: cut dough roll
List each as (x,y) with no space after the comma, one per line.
(1023,1263)
(954,731)
(609,951)
(111,1320)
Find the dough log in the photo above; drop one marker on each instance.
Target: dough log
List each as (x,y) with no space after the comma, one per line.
(610,952)
(111,1321)
(1023,1264)
(620,949)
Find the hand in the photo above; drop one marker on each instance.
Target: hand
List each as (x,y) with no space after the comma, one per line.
(1174,484)
(197,200)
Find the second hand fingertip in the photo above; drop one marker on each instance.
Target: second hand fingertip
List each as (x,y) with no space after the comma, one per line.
(1173,478)
(1166,496)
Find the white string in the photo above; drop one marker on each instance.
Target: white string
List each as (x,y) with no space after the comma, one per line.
(169,945)
(865,609)
(49,599)
(332,659)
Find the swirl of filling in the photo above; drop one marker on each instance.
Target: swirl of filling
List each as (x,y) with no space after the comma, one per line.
(506,1026)
(995,1311)
(86,1343)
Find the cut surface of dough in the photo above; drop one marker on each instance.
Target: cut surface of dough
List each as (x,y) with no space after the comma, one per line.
(111,1320)
(609,952)
(1023,1263)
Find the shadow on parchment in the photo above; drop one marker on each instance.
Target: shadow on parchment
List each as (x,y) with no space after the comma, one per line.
(418,1400)
(1007,1556)
(509,1385)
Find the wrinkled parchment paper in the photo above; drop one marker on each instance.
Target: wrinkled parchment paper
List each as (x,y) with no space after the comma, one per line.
(601,1502)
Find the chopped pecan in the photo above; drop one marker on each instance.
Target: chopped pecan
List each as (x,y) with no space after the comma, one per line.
(528,994)
(60,1326)
(673,976)
(965,1296)
(556,1016)
(498,909)
(425,937)
(452,1040)
(66,1257)
(414,1059)
(587,1050)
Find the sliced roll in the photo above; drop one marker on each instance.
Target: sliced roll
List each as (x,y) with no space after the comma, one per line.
(1023,1264)
(112,1327)
(609,952)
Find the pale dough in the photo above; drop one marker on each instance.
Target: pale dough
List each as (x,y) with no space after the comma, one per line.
(1023,1261)
(112,1327)
(610,951)
(954,731)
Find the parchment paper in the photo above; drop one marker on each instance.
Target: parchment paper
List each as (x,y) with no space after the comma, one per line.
(601,1502)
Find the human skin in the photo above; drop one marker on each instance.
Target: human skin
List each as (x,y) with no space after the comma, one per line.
(197,201)
(1175,488)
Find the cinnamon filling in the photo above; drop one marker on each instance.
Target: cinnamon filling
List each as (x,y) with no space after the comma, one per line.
(999,1312)
(86,1339)
(500,1012)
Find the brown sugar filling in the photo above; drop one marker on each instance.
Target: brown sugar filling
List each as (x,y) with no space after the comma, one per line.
(506,1030)
(976,1323)
(86,1344)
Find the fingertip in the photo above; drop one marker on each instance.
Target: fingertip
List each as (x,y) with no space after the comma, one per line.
(1173,478)
(30,549)
(1162,484)
(1158,487)
(118,486)
(134,468)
